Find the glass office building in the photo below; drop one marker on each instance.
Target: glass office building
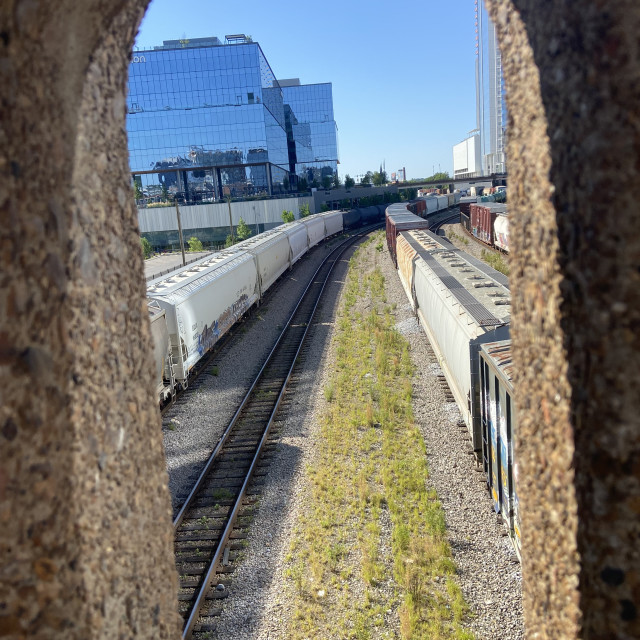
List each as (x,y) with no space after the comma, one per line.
(311,129)
(491,106)
(208,119)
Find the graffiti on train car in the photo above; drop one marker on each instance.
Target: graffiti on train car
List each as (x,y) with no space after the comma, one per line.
(210,335)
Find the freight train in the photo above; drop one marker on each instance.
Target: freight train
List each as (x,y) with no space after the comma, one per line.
(486,220)
(463,306)
(194,306)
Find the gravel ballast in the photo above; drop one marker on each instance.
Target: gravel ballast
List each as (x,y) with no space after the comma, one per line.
(260,594)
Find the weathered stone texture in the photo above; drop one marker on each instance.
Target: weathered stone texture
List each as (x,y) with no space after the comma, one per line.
(86,557)
(86,540)
(572,72)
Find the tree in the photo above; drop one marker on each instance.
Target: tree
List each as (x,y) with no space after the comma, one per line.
(287,216)
(243,231)
(137,190)
(194,244)
(304,210)
(366,178)
(145,245)
(349,181)
(379,178)
(230,241)
(326,182)
(440,175)
(165,192)
(336,181)
(303,185)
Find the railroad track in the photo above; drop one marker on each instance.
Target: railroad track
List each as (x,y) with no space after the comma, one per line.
(205,538)
(435,227)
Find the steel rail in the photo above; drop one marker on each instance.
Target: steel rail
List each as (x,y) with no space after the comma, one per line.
(438,225)
(206,582)
(214,454)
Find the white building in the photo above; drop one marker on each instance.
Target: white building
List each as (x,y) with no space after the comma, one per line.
(467,158)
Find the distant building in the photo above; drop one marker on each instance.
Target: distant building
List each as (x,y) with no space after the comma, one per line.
(208,119)
(491,106)
(467,158)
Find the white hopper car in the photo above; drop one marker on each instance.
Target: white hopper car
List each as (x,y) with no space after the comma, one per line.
(202,301)
(194,306)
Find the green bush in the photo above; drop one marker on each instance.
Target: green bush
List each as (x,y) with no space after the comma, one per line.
(287,216)
(195,244)
(304,210)
(146,248)
(243,231)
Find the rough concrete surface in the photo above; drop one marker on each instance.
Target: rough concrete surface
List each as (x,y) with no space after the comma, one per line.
(573,160)
(86,541)
(83,556)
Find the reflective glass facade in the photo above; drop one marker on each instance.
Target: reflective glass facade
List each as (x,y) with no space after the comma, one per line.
(491,102)
(210,120)
(313,130)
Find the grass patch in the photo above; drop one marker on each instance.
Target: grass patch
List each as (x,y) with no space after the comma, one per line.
(496,260)
(454,236)
(370,472)
(222,494)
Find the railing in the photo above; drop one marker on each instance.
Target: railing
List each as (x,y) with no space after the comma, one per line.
(192,198)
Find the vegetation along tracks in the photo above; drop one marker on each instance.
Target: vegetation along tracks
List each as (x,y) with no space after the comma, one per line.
(205,523)
(370,557)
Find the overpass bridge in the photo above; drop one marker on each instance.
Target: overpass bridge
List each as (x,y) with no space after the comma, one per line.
(492,180)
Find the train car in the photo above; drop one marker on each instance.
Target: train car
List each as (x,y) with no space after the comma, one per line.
(298,239)
(333,222)
(431,203)
(351,219)
(501,232)
(315,229)
(406,256)
(465,204)
(465,221)
(443,202)
(483,217)
(370,215)
(165,382)
(273,256)
(498,420)
(399,219)
(202,301)
(462,304)
(465,212)
(417,207)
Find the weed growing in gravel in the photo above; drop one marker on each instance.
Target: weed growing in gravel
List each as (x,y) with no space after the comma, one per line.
(328,392)
(373,538)
(454,236)
(496,260)
(222,494)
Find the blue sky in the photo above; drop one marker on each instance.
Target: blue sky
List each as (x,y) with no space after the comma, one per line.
(402,73)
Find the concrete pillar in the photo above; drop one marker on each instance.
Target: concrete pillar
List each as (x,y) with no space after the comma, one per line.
(572,72)
(86,542)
